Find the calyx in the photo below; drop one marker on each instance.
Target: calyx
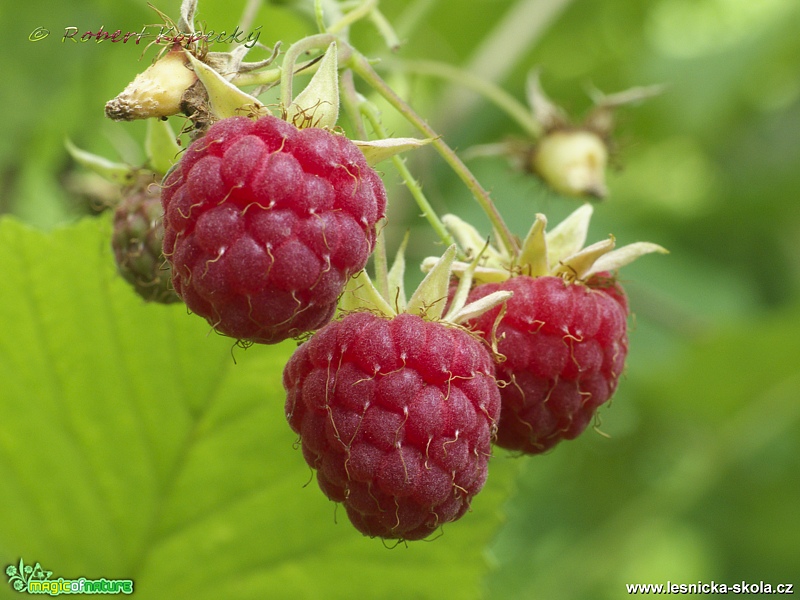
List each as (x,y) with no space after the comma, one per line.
(428,300)
(559,252)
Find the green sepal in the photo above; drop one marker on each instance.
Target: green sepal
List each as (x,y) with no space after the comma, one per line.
(188,11)
(533,254)
(376,151)
(481,274)
(558,252)
(460,311)
(477,308)
(568,237)
(160,145)
(118,173)
(620,257)
(577,265)
(430,297)
(318,104)
(397,274)
(361,294)
(546,113)
(471,241)
(225,99)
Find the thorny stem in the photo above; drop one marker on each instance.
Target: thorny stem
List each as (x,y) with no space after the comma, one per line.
(502,99)
(369,111)
(363,69)
(352,103)
(356,106)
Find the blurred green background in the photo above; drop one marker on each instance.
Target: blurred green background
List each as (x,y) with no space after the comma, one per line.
(697,475)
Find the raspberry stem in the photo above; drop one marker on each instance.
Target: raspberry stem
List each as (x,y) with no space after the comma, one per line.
(385,28)
(351,100)
(353,16)
(371,113)
(358,106)
(495,94)
(349,57)
(363,69)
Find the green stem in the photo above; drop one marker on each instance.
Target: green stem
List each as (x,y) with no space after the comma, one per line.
(353,16)
(413,15)
(313,42)
(386,30)
(249,14)
(318,15)
(351,101)
(257,78)
(352,106)
(369,111)
(356,105)
(361,66)
(495,94)
(270,76)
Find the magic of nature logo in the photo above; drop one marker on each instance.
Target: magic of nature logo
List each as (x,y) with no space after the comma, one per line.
(35,580)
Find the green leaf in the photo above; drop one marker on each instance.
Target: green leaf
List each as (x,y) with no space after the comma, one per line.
(118,173)
(133,445)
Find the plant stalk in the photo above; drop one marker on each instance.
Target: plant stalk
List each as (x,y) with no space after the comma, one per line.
(363,69)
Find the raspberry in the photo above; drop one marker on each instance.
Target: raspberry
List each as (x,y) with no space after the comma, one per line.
(565,346)
(397,416)
(264,224)
(136,242)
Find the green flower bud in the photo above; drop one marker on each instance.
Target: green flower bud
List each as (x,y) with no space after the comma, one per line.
(572,162)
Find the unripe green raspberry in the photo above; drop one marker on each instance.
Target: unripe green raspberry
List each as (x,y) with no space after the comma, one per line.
(572,162)
(137,239)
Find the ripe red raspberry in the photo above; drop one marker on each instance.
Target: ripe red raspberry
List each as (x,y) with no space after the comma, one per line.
(397,416)
(565,346)
(264,223)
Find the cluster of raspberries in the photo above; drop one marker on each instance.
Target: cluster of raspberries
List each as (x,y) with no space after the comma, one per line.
(263,225)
